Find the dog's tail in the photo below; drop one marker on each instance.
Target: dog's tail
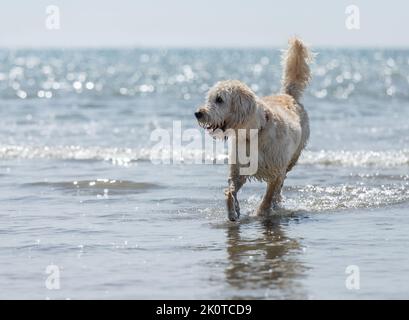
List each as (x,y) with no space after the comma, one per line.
(296,73)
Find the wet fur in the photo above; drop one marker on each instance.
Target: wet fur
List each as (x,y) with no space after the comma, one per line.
(281,120)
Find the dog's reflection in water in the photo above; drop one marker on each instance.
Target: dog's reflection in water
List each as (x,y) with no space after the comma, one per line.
(263,261)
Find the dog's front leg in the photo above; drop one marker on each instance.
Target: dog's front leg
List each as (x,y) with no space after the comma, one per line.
(235,181)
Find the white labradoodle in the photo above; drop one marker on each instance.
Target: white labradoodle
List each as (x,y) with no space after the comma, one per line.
(281,120)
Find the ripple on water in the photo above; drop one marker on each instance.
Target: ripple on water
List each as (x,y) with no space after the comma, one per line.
(94,187)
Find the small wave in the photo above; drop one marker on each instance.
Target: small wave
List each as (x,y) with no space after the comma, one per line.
(118,156)
(125,156)
(388,158)
(98,186)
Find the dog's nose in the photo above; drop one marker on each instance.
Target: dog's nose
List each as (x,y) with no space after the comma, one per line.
(198,114)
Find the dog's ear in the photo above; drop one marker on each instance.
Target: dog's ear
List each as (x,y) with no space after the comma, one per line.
(243,105)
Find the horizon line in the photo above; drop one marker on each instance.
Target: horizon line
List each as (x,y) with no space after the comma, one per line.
(198,47)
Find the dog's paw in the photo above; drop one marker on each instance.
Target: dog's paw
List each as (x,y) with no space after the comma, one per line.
(233,208)
(263,211)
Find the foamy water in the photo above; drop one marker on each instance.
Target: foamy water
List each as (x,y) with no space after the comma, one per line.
(79,189)
(126,156)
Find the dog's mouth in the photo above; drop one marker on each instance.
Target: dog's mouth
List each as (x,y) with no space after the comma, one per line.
(213,127)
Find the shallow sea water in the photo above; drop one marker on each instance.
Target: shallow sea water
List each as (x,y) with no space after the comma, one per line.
(79,189)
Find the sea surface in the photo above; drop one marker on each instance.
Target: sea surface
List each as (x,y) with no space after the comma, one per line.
(90,209)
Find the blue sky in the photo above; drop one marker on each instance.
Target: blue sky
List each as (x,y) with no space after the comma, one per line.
(202,23)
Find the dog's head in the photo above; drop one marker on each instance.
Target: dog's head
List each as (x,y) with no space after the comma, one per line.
(229,105)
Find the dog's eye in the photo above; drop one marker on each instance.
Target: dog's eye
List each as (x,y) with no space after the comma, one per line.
(219,99)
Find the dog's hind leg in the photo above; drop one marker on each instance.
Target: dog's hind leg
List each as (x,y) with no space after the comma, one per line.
(236,181)
(272,196)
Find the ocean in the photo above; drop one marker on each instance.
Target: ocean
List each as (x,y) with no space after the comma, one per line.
(88,210)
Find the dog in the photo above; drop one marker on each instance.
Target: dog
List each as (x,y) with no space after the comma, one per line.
(281,121)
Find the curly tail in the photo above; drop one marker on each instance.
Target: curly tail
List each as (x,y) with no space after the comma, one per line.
(297,74)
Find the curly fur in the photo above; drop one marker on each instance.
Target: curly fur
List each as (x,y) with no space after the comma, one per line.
(281,120)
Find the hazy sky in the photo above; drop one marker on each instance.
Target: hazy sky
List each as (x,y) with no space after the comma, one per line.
(202,23)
